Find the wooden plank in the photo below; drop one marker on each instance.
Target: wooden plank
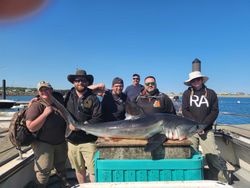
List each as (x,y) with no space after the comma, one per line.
(132,142)
(134,149)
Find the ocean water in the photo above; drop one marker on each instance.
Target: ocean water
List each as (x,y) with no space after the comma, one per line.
(20,98)
(239,107)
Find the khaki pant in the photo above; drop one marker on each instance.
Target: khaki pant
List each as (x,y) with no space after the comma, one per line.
(217,165)
(82,155)
(47,157)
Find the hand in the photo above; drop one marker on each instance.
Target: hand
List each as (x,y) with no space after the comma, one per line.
(72,127)
(201,132)
(47,110)
(32,100)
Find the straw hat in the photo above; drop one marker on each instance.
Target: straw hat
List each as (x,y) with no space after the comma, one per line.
(193,75)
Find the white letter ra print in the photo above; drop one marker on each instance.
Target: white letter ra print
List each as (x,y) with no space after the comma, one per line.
(198,101)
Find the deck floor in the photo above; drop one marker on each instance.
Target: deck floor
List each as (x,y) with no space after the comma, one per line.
(7,150)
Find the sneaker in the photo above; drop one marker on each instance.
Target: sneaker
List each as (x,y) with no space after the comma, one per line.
(65,183)
(225,177)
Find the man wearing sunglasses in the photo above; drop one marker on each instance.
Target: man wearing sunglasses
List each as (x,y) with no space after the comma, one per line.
(84,106)
(135,89)
(151,100)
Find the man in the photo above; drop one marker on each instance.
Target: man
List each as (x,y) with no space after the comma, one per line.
(201,104)
(85,107)
(50,147)
(113,103)
(135,89)
(177,105)
(153,101)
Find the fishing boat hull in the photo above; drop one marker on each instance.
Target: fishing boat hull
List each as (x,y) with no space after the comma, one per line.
(18,172)
(161,184)
(5,104)
(234,145)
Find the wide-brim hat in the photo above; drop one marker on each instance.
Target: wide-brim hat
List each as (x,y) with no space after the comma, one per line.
(81,74)
(193,75)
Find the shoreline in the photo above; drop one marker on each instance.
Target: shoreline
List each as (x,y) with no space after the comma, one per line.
(219,95)
(234,96)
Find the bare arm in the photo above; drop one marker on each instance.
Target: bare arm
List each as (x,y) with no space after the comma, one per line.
(36,124)
(98,89)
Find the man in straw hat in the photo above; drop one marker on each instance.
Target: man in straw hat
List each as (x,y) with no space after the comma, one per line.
(201,104)
(85,107)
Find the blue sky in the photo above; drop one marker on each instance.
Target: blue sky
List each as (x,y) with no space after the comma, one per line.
(110,38)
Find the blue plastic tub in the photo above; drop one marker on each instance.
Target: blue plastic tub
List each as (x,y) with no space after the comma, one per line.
(148,170)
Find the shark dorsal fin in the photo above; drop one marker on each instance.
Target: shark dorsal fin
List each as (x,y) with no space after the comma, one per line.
(133,109)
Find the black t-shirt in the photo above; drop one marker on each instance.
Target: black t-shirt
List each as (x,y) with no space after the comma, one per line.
(86,108)
(113,106)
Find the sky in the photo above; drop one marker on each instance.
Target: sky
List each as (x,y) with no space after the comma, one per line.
(110,38)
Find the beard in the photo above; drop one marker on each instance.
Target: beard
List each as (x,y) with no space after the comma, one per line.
(80,88)
(152,92)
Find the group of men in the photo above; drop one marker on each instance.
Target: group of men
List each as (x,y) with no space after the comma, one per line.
(92,104)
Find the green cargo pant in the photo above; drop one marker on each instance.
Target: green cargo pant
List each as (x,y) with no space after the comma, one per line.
(47,157)
(217,165)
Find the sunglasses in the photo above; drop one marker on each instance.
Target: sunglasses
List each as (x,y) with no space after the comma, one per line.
(43,89)
(80,80)
(150,83)
(136,78)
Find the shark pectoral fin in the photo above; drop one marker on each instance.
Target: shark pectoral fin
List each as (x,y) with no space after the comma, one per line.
(154,142)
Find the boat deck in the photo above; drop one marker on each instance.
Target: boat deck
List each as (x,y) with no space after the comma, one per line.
(7,150)
(241,129)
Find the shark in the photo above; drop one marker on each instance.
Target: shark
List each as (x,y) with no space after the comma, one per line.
(155,128)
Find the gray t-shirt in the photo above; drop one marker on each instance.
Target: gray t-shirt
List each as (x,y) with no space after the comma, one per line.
(133,91)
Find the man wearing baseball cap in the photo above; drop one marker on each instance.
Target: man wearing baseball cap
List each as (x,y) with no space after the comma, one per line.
(50,147)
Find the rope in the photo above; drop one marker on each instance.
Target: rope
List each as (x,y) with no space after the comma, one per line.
(234,114)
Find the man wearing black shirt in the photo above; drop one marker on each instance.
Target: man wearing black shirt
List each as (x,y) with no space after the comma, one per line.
(113,103)
(84,106)
(200,104)
(153,101)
